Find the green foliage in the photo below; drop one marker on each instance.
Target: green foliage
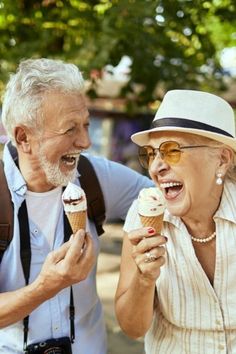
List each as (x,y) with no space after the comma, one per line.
(171,43)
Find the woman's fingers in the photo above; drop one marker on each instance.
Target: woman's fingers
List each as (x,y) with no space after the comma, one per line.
(148,251)
(151,242)
(137,235)
(149,256)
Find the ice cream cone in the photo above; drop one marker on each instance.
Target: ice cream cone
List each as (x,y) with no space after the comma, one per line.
(151,207)
(152,221)
(75,206)
(77,220)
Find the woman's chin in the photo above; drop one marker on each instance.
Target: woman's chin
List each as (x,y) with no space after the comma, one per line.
(177,209)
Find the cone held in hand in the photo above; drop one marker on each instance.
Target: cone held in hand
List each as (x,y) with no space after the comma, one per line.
(156,222)
(77,220)
(75,206)
(151,206)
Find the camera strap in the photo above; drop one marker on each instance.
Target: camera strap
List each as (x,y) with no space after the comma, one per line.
(67,233)
(25,254)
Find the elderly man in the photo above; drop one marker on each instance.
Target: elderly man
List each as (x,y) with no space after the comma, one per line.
(46,118)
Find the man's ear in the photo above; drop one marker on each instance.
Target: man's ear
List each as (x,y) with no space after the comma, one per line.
(22,138)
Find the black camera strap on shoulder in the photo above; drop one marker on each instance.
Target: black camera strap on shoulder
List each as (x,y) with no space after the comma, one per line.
(25,254)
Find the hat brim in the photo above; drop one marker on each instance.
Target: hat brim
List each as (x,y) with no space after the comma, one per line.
(142,138)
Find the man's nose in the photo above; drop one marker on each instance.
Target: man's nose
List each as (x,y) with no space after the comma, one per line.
(82,140)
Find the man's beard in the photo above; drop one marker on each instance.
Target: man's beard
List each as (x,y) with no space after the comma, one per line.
(53,172)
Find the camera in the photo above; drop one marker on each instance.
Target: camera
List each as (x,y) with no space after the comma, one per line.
(51,346)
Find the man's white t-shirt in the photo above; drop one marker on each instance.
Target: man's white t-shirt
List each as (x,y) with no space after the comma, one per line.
(39,205)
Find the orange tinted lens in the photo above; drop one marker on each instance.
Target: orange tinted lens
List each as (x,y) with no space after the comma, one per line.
(151,155)
(143,158)
(170,152)
(146,156)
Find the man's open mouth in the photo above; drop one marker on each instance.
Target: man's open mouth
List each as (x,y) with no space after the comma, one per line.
(70,159)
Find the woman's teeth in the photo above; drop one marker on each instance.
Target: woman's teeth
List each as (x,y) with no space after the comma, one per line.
(170,184)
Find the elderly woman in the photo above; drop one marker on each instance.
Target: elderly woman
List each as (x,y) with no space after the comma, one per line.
(178,287)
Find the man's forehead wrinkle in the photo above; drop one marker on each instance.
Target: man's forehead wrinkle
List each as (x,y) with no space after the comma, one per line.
(64,108)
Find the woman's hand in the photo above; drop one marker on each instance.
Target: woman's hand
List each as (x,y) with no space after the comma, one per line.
(148,251)
(142,257)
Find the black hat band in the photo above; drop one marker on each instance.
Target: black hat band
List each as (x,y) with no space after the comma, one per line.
(187,123)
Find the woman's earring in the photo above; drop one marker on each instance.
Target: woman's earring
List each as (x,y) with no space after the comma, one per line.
(219,179)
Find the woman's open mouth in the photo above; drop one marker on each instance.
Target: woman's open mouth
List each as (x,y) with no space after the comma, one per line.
(171,189)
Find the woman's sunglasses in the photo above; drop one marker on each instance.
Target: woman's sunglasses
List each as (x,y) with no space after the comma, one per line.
(169,151)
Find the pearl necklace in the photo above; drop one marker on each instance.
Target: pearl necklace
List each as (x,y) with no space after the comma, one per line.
(204,240)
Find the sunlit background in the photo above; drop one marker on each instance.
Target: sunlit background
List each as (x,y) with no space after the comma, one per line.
(130,52)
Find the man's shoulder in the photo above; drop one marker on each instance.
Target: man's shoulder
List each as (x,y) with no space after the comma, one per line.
(13,175)
(95,159)
(101,163)
(111,172)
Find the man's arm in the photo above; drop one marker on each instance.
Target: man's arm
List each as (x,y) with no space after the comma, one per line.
(69,264)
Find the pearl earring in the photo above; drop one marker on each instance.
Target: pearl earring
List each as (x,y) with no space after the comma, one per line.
(219,180)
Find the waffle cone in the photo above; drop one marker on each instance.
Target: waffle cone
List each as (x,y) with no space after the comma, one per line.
(77,220)
(154,221)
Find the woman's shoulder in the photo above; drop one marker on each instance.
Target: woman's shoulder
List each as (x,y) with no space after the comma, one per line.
(230,189)
(227,207)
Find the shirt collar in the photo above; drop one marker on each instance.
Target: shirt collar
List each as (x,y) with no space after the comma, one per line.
(15,180)
(175,220)
(227,208)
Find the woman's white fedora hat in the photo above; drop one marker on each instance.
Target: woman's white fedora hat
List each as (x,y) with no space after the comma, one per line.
(194,112)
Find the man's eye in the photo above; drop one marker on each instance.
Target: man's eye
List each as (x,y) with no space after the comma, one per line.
(71,130)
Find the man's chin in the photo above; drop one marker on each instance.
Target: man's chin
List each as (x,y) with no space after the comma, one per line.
(64,179)
(58,174)
(58,178)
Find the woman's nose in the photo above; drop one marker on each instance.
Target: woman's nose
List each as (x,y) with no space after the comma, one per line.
(158,164)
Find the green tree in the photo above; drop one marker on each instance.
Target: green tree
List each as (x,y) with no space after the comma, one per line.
(171,43)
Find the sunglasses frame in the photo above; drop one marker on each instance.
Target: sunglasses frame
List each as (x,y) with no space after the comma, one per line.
(163,154)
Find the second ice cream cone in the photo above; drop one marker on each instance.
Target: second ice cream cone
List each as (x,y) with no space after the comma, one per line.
(151,206)
(156,222)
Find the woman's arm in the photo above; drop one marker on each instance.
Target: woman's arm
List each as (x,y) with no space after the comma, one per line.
(134,300)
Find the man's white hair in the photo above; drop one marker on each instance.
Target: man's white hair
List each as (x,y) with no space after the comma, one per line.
(25,89)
